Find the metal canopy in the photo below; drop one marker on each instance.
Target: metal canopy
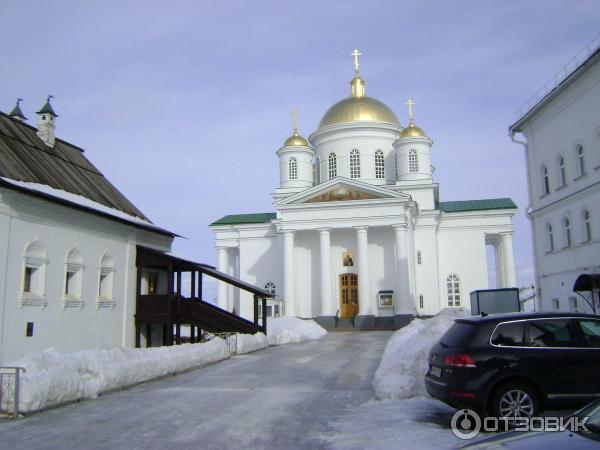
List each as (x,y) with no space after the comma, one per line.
(587,282)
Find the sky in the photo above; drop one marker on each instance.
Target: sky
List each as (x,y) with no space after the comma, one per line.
(183,104)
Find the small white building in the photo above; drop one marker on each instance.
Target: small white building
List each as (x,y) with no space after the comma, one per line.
(358,230)
(68,245)
(562,132)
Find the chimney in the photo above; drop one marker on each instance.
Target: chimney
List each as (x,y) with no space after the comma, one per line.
(46,126)
(16,112)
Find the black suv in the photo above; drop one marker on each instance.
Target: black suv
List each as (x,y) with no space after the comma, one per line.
(517,364)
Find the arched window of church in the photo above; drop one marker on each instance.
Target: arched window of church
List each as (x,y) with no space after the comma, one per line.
(354,164)
(316,172)
(73,279)
(413,161)
(270,288)
(550,237)
(379,165)
(587,225)
(566,232)
(545,180)
(332,160)
(453,288)
(579,153)
(293,168)
(562,171)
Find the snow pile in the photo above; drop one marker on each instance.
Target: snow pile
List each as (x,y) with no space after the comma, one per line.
(404,361)
(52,378)
(247,343)
(287,330)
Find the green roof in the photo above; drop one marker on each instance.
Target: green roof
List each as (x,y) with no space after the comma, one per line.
(16,111)
(477,205)
(239,219)
(47,108)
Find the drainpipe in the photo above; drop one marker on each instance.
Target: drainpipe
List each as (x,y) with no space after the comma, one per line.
(537,301)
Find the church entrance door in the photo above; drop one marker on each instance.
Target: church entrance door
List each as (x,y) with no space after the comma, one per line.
(348,295)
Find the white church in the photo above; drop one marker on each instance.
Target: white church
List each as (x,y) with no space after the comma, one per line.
(358,231)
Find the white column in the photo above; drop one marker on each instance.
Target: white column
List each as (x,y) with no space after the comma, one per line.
(365,302)
(510,279)
(288,273)
(223,266)
(325,246)
(403,302)
(499,262)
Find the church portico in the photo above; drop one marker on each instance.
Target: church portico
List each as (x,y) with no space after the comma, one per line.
(363,237)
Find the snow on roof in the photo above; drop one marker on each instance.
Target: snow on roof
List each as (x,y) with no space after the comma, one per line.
(83,202)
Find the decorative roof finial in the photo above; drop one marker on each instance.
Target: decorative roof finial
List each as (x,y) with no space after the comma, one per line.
(295,112)
(356,53)
(411,114)
(16,112)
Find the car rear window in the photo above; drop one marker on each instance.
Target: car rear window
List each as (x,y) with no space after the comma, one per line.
(458,335)
(551,333)
(590,329)
(510,334)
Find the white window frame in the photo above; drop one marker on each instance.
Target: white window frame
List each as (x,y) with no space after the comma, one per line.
(545,181)
(293,168)
(106,280)
(549,237)
(567,232)
(34,258)
(586,220)
(419,257)
(562,171)
(73,293)
(580,155)
(354,163)
(413,161)
(332,166)
(379,165)
(453,290)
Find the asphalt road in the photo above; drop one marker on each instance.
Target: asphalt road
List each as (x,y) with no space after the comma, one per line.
(279,398)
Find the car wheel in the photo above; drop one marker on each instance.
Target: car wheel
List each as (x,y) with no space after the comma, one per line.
(515,400)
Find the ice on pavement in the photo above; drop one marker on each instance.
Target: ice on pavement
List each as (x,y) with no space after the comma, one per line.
(288,330)
(404,361)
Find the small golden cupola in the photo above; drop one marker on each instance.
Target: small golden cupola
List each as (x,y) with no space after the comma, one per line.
(295,140)
(411,130)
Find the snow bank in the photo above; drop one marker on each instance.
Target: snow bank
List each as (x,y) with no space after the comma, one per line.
(404,361)
(288,330)
(52,378)
(247,343)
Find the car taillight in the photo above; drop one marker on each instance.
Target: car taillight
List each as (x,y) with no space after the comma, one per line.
(460,360)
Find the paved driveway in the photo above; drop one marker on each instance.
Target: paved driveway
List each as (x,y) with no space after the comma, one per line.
(278,398)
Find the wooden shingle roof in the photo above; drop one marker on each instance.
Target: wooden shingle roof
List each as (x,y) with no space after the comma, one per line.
(24,157)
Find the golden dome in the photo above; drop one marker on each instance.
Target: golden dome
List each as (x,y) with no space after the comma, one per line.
(358,109)
(295,140)
(412,131)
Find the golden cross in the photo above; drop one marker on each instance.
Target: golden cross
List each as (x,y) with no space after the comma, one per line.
(295,112)
(410,104)
(356,53)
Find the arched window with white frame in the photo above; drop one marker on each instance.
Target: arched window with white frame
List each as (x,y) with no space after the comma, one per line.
(562,171)
(453,288)
(545,180)
(34,275)
(293,168)
(354,164)
(413,161)
(549,238)
(586,220)
(106,283)
(73,291)
(332,166)
(379,165)
(580,155)
(567,240)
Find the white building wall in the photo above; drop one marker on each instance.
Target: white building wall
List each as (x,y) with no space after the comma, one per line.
(570,119)
(23,220)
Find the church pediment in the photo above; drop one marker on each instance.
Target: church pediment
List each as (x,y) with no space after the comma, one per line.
(342,193)
(340,190)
